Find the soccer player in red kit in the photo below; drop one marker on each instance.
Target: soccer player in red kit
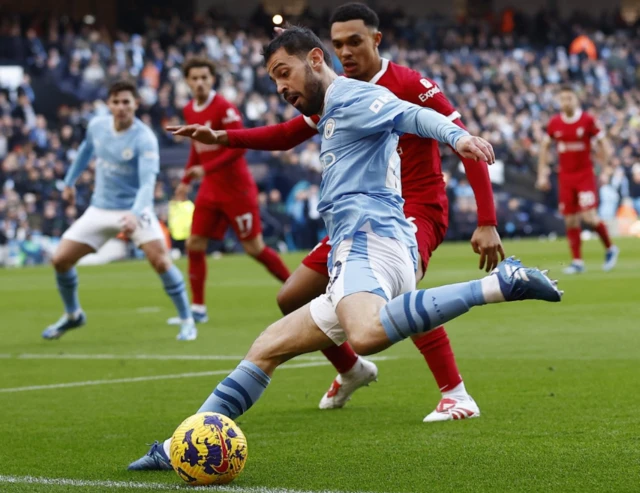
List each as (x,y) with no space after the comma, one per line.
(228,195)
(355,37)
(573,130)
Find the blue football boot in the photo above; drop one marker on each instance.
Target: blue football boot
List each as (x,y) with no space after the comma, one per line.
(519,283)
(66,323)
(154,460)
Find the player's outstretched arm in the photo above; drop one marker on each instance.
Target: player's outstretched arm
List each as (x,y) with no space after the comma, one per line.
(429,124)
(543,165)
(280,137)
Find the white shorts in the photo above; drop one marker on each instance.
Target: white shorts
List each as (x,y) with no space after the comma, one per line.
(366,263)
(96,226)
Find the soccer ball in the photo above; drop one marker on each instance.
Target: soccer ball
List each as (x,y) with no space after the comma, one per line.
(208,448)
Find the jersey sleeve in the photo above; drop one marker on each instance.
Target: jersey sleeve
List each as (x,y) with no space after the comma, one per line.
(594,130)
(550,129)
(148,169)
(80,163)
(378,109)
(280,137)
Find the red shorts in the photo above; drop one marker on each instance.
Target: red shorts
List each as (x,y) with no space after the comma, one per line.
(577,193)
(213,220)
(429,234)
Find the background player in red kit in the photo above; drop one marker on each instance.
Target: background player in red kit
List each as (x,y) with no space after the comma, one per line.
(228,195)
(355,37)
(573,130)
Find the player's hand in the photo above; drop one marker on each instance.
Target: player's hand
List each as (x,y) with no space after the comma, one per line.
(69,195)
(182,192)
(486,243)
(543,184)
(198,132)
(195,172)
(128,223)
(475,148)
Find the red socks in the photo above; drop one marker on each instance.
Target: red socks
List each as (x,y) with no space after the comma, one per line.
(573,236)
(603,232)
(274,264)
(197,276)
(436,349)
(342,357)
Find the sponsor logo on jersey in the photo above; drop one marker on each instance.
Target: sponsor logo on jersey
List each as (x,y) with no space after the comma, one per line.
(329,128)
(571,147)
(327,159)
(114,168)
(432,90)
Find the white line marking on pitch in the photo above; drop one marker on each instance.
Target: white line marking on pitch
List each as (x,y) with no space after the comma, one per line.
(146,379)
(148,309)
(82,483)
(161,357)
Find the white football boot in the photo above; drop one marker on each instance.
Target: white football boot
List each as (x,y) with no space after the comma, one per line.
(362,374)
(449,409)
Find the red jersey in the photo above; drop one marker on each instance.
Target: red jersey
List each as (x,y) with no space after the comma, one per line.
(421,175)
(227,175)
(574,140)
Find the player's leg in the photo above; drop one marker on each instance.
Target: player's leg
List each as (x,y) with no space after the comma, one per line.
(85,236)
(150,239)
(434,345)
(307,282)
(245,220)
(570,208)
(587,199)
(203,225)
(290,336)
(385,262)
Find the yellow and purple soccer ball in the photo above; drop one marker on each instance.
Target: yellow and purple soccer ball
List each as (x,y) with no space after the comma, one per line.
(208,448)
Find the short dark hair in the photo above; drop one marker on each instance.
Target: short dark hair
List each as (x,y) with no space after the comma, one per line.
(121,86)
(198,62)
(353,12)
(567,88)
(298,41)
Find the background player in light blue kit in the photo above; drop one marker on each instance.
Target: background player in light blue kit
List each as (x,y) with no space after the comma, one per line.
(370,299)
(127,163)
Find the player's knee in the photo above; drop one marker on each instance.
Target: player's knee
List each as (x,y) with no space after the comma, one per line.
(363,338)
(161,262)
(61,263)
(196,243)
(253,247)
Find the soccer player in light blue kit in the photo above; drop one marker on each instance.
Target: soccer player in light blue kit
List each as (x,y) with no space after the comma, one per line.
(127,163)
(371,299)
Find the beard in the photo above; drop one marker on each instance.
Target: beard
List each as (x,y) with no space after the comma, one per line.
(314,92)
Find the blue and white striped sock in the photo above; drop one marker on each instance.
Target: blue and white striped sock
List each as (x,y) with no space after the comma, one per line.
(174,286)
(238,392)
(68,288)
(420,311)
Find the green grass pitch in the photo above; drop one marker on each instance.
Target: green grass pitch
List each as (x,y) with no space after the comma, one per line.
(557,385)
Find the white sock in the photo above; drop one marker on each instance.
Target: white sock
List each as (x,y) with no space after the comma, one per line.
(578,261)
(188,320)
(75,315)
(459,392)
(491,289)
(167,447)
(199,308)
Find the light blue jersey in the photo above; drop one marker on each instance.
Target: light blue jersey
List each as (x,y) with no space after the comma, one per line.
(127,164)
(360,188)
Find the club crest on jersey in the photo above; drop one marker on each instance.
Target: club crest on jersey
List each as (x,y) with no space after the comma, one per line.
(329,128)
(127,154)
(580,132)
(557,134)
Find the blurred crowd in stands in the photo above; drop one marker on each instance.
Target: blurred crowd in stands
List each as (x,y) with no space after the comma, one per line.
(501,74)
